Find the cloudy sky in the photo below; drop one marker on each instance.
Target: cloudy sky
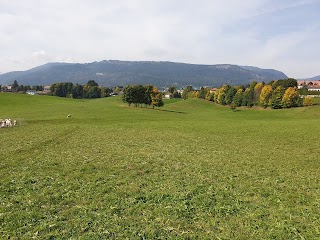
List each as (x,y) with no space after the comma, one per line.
(284,35)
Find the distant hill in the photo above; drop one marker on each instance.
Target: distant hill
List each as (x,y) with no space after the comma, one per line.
(315,78)
(113,72)
(310,79)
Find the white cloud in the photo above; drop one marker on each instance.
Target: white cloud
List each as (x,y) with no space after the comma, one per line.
(255,32)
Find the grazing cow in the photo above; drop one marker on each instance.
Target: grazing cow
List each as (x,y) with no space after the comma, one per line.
(69,116)
(8,123)
(14,123)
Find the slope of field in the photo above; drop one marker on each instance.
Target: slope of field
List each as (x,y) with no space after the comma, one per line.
(189,170)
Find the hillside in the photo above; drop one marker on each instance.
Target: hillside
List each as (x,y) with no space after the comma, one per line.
(315,78)
(111,73)
(189,170)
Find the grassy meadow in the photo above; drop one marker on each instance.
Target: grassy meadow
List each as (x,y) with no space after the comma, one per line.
(189,170)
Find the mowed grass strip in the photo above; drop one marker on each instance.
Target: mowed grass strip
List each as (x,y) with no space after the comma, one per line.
(191,169)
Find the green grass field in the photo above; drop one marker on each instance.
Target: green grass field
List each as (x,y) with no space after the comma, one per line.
(189,170)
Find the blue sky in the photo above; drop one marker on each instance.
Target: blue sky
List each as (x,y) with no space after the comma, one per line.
(283,35)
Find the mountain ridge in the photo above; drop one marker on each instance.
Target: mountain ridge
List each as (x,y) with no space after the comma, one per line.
(164,73)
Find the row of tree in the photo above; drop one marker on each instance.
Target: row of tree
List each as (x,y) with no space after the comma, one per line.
(15,87)
(277,94)
(142,95)
(89,90)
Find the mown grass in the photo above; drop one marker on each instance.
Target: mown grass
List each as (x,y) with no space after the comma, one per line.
(189,170)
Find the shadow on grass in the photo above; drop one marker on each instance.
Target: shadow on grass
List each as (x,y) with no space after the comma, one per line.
(164,110)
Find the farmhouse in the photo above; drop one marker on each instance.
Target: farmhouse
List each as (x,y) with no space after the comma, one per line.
(46,89)
(6,88)
(311,85)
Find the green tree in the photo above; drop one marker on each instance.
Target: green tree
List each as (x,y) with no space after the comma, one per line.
(248,97)
(230,93)
(105,92)
(172,89)
(148,90)
(92,83)
(238,98)
(176,94)
(252,85)
(91,91)
(277,95)
(77,91)
(139,95)
(128,95)
(285,83)
(203,92)
(15,85)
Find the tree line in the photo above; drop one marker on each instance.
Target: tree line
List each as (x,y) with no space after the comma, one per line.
(140,95)
(89,90)
(21,88)
(276,94)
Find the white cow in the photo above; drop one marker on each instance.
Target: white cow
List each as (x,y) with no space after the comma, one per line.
(8,123)
(69,116)
(3,124)
(15,123)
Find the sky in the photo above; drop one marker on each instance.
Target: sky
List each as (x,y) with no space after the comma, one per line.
(282,35)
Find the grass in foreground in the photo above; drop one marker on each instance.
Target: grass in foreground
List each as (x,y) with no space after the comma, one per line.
(189,170)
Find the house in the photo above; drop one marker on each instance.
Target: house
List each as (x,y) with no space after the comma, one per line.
(31,92)
(168,95)
(46,89)
(311,85)
(314,88)
(213,90)
(6,88)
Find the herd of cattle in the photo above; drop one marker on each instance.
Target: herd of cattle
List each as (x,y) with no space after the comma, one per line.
(7,123)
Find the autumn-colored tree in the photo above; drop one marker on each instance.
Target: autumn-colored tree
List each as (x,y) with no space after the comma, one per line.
(291,98)
(257,90)
(307,101)
(186,91)
(265,96)
(210,96)
(221,94)
(216,94)
(156,98)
